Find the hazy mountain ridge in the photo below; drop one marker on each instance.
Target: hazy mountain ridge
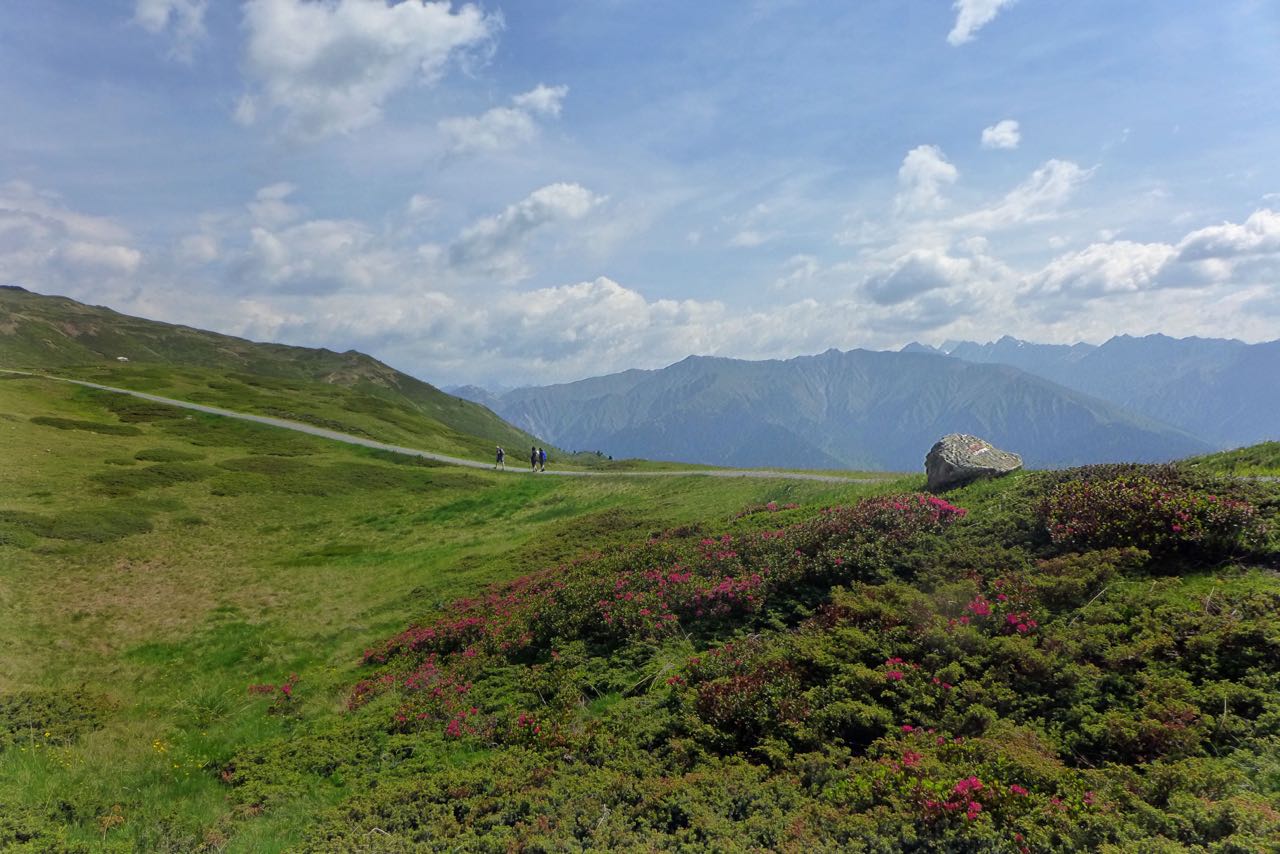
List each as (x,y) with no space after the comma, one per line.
(859,409)
(1222,390)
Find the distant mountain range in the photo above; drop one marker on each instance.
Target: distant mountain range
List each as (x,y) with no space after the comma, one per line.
(1152,398)
(856,409)
(1223,391)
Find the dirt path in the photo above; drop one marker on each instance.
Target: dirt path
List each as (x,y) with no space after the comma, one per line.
(431,455)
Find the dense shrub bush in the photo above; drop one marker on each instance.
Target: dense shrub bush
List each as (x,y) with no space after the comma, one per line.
(892,675)
(1138,511)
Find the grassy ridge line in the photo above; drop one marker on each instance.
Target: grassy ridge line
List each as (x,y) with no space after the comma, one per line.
(444,458)
(51,333)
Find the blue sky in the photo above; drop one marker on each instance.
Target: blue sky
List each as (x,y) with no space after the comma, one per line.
(533,192)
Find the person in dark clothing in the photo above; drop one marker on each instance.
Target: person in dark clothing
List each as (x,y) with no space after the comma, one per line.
(533,459)
(501,459)
(542,460)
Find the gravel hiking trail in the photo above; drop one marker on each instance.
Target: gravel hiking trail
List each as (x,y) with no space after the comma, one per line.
(444,458)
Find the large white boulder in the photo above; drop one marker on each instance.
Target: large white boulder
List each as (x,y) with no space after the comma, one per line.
(957,459)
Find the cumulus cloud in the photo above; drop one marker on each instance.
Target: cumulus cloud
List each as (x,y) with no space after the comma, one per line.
(1240,254)
(494,245)
(321,256)
(504,127)
(915,273)
(42,241)
(933,286)
(183,20)
(1104,268)
(1257,235)
(973,15)
(924,172)
(1002,135)
(1037,198)
(330,67)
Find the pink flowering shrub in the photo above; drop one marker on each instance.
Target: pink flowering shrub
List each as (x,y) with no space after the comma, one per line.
(282,694)
(1160,517)
(869,676)
(655,590)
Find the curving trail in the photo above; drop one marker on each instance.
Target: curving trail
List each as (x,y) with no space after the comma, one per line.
(431,455)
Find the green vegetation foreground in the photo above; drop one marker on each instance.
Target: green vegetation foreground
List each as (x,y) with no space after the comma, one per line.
(155,563)
(1053,661)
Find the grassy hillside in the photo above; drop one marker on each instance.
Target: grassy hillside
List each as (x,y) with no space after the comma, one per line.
(1085,660)
(61,335)
(155,564)
(215,636)
(1261,460)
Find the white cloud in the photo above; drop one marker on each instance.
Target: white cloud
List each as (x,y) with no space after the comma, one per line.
(331,67)
(1104,268)
(1038,198)
(799,270)
(22,199)
(916,273)
(44,243)
(91,257)
(182,19)
(924,172)
(973,15)
(1240,255)
(542,100)
(504,127)
(324,256)
(1002,135)
(494,245)
(1258,235)
(271,207)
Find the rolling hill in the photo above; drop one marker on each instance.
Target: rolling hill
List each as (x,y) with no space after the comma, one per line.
(348,390)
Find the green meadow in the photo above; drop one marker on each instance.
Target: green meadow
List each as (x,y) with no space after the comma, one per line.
(155,564)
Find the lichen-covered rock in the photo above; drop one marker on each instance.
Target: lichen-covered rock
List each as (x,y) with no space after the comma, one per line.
(957,459)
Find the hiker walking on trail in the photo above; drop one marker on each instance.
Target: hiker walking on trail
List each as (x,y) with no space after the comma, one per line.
(533,459)
(542,459)
(502,459)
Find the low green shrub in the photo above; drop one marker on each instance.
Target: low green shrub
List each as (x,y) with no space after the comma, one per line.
(87,426)
(49,718)
(167,455)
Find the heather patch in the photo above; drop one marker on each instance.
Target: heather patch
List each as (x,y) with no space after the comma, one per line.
(895,672)
(1159,515)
